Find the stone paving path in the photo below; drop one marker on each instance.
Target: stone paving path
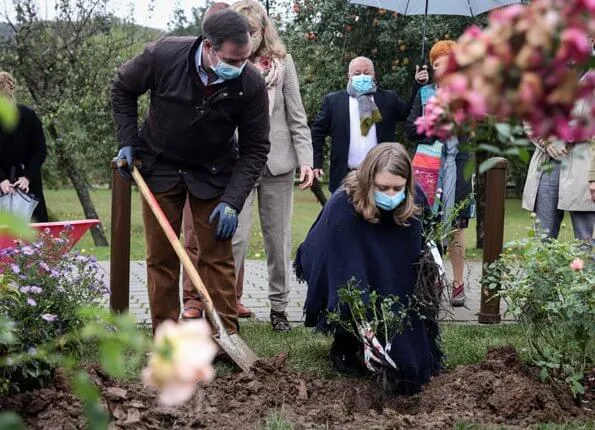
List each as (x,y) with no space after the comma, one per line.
(256,293)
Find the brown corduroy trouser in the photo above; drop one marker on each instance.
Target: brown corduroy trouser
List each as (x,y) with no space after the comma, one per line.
(190,297)
(215,264)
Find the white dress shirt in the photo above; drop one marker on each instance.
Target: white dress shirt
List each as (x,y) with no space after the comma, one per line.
(359,145)
(202,72)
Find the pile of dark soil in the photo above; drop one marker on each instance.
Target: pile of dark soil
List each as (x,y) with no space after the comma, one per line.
(499,390)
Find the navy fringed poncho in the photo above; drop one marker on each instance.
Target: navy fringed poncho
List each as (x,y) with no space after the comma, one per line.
(341,245)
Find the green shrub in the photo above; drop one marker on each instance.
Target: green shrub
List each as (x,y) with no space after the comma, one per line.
(549,287)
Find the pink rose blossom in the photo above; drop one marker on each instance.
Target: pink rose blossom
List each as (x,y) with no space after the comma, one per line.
(182,356)
(517,67)
(575,45)
(577,264)
(477,105)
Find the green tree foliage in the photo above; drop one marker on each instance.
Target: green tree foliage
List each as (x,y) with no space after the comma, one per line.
(65,67)
(324,36)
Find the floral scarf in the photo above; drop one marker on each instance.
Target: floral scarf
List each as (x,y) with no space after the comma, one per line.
(272,70)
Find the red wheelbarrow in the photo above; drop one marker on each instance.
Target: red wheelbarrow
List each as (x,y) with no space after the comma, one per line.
(77,229)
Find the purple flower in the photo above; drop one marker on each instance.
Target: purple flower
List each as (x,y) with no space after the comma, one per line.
(28,250)
(49,317)
(35,290)
(31,302)
(25,290)
(54,273)
(44,266)
(15,268)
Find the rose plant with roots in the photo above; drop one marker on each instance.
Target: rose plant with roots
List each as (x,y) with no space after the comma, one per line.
(520,68)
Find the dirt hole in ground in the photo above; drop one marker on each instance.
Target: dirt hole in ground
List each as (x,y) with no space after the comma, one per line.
(500,390)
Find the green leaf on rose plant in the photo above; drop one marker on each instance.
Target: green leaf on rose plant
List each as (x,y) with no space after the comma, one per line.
(489,148)
(11,421)
(544,374)
(97,417)
(112,357)
(488,164)
(15,226)
(469,169)
(84,388)
(504,131)
(521,142)
(7,332)
(524,155)
(9,114)
(577,388)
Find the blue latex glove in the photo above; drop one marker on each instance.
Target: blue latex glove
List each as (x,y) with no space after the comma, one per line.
(126,153)
(228,221)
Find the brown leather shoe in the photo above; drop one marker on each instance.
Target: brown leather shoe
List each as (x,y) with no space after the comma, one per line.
(243,311)
(192,310)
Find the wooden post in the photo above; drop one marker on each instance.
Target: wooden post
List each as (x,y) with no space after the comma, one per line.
(489,311)
(120,241)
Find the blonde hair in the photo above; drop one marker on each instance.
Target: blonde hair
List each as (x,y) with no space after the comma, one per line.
(388,157)
(8,85)
(257,15)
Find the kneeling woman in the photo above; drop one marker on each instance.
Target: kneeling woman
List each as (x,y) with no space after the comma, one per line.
(371,231)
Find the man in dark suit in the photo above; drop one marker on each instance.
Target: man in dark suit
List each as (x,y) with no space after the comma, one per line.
(357,119)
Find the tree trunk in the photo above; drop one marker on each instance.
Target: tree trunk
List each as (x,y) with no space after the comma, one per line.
(480,198)
(80,185)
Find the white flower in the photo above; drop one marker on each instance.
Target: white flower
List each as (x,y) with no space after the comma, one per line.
(182,356)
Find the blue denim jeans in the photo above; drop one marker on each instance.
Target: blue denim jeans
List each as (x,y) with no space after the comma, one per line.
(550,217)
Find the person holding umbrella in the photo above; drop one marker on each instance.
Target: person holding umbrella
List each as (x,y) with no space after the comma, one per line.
(471,8)
(456,190)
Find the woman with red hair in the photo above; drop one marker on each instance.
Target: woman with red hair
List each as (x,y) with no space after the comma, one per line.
(439,169)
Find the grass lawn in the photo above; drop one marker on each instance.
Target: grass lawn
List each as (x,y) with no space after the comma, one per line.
(308,351)
(64,205)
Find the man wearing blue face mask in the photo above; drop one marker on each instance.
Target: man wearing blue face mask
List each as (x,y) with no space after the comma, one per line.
(201,91)
(357,119)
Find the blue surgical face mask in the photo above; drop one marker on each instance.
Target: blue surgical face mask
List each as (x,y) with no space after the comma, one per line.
(388,203)
(362,83)
(227,71)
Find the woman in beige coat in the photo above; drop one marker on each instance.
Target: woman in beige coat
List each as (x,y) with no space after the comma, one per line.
(562,187)
(291,148)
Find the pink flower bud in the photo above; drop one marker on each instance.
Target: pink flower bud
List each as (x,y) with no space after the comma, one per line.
(577,264)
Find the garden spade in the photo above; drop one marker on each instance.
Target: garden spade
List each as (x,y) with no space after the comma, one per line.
(232,344)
